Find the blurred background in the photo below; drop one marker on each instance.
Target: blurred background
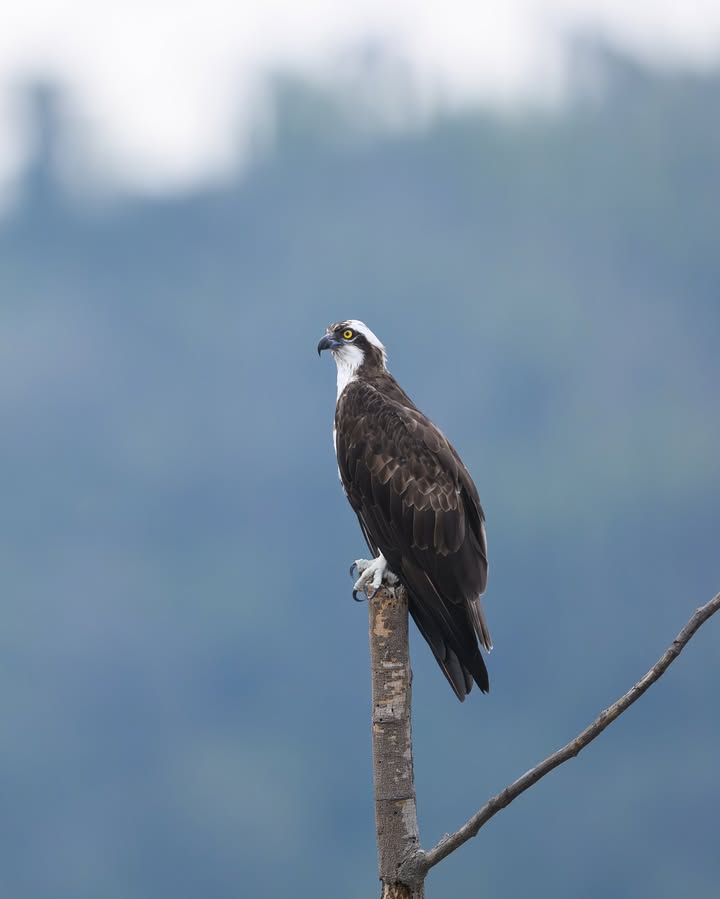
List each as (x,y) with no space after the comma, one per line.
(523,201)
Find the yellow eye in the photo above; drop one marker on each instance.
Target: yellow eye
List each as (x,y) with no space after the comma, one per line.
(348,333)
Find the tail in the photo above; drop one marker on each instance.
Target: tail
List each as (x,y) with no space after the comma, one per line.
(459,659)
(480,624)
(450,629)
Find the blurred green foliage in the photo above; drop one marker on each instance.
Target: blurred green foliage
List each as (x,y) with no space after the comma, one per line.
(185,686)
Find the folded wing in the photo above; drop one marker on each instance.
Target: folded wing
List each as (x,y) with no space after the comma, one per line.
(418,506)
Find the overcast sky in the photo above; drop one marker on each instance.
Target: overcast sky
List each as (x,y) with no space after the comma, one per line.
(160,91)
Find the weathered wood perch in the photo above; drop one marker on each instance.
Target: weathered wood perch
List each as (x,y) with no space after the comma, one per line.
(396,824)
(403,864)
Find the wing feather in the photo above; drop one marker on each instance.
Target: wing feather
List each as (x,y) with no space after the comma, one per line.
(417,505)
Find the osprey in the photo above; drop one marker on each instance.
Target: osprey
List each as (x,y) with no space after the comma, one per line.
(417,505)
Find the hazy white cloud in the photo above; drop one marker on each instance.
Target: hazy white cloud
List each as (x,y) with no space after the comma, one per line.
(162,93)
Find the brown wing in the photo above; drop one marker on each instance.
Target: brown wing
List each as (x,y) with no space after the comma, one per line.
(418,506)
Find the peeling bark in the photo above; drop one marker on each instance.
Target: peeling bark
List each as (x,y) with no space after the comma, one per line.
(396,824)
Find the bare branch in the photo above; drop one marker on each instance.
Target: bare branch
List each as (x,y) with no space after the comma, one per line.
(422,862)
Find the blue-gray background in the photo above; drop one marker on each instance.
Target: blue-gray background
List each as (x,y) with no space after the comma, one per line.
(185,686)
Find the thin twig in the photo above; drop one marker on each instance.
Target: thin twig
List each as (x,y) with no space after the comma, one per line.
(424,861)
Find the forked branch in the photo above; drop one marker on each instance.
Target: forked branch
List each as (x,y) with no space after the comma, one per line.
(421,862)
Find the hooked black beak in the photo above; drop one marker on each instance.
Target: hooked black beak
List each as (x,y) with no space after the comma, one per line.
(328,342)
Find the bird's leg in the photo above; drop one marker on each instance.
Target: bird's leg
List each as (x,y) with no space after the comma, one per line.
(372,573)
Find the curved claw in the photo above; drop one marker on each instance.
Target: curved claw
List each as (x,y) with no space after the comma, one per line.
(356,598)
(353,567)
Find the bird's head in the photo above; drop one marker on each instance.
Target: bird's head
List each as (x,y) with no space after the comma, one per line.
(353,344)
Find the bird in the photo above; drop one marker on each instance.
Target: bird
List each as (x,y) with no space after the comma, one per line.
(418,508)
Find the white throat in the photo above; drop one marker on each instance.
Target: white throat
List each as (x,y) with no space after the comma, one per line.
(348,360)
